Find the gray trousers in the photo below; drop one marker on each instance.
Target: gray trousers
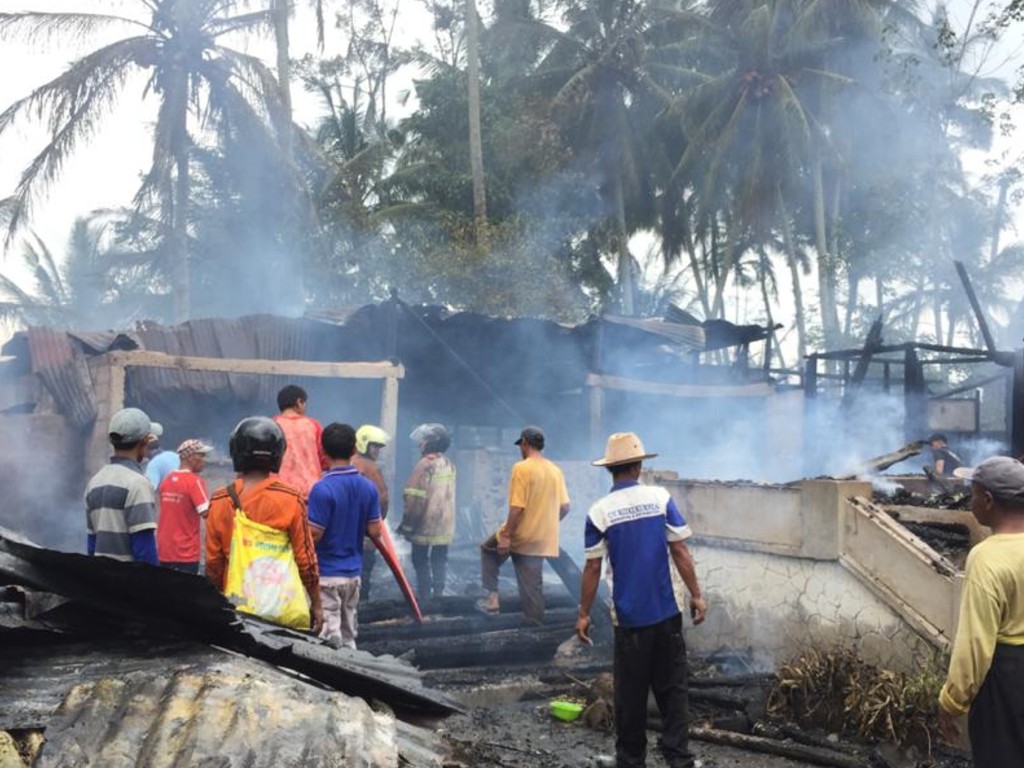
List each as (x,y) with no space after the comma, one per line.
(340,596)
(529,576)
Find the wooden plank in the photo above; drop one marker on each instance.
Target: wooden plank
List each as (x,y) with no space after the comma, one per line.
(389,423)
(361,370)
(760,389)
(792,750)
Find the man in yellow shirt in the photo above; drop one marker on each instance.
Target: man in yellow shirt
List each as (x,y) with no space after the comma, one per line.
(986,669)
(537,502)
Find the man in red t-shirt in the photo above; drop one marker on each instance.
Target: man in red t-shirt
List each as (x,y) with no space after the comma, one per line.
(304,457)
(183,500)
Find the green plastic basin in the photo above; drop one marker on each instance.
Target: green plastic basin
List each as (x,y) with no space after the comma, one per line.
(566,710)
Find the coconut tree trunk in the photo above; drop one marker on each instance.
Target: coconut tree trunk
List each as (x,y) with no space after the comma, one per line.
(476,152)
(852,287)
(718,308)
(181,289)
(794,274)
(625,262)
(776,348)
(917,307)
(284,74)
(698,277)
(826,267)
(998,219)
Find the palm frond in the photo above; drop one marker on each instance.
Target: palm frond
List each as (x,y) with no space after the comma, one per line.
(76,102)
(256,21)
(39,27)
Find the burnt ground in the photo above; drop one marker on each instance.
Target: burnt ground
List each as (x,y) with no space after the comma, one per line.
(508,725)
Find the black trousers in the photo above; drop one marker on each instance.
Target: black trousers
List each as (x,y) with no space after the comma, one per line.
(651,658)
(996,720)
(431,566)
(369,561)
(192,568)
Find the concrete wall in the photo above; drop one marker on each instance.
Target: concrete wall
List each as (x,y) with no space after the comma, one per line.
(773,607)
(787,567)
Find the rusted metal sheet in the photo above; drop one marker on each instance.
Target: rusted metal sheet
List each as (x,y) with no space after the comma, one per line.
(63,373)
(115,703)
(172,604)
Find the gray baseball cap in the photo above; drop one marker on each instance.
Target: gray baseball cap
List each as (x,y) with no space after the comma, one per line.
(130,425)
(1001,476)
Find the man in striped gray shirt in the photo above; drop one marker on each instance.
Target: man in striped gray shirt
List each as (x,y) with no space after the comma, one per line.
(119,502)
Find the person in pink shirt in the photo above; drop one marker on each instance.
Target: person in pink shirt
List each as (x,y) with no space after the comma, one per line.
(304,458)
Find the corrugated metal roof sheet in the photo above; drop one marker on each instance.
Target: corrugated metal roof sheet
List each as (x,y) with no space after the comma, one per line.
(63,373)
(113,703)
(174,604)
(689,336)
(475,360)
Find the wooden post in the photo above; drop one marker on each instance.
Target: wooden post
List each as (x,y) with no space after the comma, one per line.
(389,423)
(915,397)
(108,378)
(1016,410)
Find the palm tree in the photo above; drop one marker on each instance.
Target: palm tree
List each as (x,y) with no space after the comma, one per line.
(280,11)
(195,78)
(748,135)
(605,79)
(93,285)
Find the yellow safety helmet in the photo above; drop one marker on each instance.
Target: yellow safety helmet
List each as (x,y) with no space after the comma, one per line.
(367,434)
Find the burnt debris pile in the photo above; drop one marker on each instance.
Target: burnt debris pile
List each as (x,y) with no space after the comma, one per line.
(109,659)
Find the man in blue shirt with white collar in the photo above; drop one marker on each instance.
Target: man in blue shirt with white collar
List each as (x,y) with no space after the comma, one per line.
(639,528)
(343,508)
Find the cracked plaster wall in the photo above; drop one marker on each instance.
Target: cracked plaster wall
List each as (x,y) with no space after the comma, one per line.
(774,607)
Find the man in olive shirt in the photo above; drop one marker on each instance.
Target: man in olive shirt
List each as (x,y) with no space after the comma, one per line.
(537,502)
(986,669)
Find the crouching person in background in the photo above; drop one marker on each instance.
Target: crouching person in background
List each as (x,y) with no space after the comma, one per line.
(266,585)
(343,508)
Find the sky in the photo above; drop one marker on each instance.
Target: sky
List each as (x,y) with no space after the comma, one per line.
(106,173)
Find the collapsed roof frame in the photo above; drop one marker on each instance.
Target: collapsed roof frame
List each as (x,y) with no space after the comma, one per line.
(109,372)
(914,384)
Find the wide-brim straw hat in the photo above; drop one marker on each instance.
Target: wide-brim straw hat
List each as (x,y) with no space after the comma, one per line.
(623,448)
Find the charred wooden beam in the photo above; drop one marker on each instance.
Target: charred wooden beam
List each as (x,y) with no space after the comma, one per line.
(460,605)
(871,344)
(886,460)
(455,627)
(965,280)
(794,751)
(503,647)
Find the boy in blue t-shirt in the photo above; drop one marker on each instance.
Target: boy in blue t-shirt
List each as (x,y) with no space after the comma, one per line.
(343,507)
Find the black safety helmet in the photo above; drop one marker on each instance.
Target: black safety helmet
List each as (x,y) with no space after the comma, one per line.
(257,444)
